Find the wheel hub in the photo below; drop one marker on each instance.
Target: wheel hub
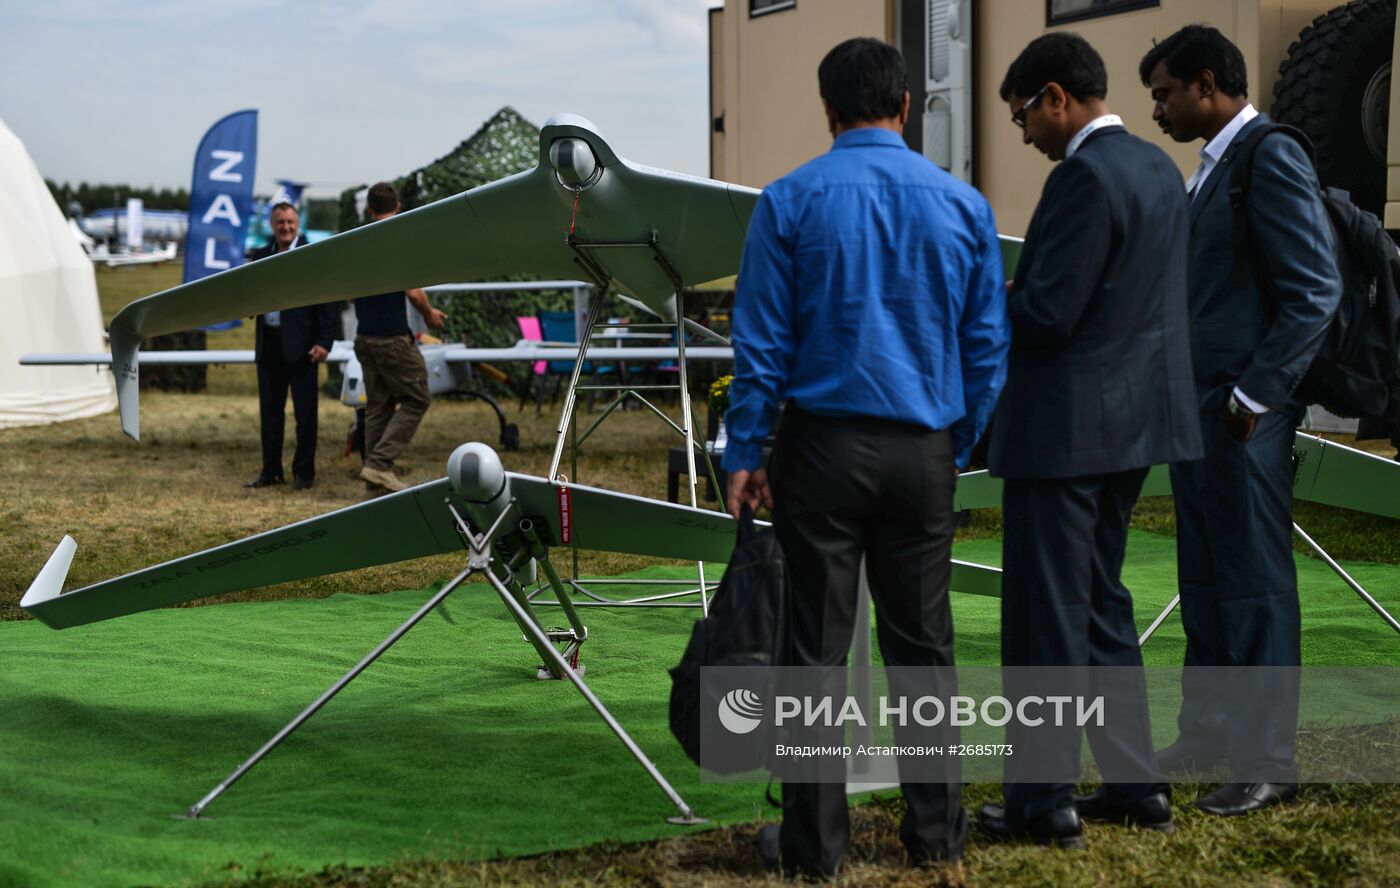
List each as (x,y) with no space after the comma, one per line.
(1375,113)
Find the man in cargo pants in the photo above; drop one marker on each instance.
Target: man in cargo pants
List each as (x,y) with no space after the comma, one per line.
(396,379)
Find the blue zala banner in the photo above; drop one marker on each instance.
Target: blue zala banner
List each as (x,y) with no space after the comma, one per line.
(221,198)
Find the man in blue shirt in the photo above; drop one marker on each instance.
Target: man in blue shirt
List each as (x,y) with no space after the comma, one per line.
(871,299)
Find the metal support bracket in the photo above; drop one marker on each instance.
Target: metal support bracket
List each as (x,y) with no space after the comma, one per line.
(567,429)
(1328,560)
(479,562)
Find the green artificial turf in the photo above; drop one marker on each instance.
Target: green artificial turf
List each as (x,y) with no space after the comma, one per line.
(446,748)
(1339,629)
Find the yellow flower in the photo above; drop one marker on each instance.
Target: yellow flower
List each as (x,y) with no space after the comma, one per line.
(719,394)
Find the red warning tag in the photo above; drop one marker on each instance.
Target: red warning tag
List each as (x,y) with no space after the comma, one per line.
(566,515)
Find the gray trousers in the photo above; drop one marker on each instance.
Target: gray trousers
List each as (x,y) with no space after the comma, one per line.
(396,395)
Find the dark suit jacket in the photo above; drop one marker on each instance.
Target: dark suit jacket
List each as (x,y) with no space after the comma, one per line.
(301,327)
(1099,377)
(1264,344)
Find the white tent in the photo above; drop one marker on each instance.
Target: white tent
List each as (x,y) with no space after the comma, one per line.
(48,299)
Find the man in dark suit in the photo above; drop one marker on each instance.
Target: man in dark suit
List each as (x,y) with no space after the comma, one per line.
(1098,390)
(289,345)
(1252,339)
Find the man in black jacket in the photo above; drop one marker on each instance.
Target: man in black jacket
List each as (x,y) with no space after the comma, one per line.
(289,345)
(1098,390)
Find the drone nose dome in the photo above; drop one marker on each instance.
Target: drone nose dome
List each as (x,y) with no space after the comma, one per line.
(475,472)
(575,163)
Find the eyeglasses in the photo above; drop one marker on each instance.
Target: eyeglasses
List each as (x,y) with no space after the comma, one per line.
(1018,116)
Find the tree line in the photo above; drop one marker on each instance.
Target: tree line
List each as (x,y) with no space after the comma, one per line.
(103,196)
(322,212)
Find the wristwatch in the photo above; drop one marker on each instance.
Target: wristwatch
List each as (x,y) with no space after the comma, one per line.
(1239,420)
(1241,411)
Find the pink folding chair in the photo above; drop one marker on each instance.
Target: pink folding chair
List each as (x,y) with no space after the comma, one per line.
(530,329)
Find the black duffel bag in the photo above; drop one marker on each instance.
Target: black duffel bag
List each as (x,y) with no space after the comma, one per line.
(747,627)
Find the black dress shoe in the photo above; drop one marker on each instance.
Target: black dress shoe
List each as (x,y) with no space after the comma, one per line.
(1234,799)
(1183,757)
(264,481)
(1152,811)
(1059,827)
(303,483)
(767,843)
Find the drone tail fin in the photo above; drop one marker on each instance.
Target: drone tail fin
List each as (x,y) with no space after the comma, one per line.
(49,583)
(126,349)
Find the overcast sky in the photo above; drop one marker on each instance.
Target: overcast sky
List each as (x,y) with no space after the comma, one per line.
(348,91)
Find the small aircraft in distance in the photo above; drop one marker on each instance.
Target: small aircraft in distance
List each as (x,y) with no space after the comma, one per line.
(648,233)
(122,258)
(100,255)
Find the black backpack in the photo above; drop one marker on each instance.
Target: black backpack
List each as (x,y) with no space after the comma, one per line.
(1357,369)
(747,626)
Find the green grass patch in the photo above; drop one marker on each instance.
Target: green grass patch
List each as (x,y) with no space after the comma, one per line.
(447,749)
(447,754)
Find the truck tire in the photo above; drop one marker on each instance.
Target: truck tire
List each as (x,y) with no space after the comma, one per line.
(1335,86)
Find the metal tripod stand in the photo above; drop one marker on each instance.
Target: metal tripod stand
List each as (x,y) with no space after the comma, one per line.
(481,561)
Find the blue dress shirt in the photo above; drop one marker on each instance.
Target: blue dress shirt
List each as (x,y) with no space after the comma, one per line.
(871,285)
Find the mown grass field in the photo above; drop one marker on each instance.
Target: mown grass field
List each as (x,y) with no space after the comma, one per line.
(180,490)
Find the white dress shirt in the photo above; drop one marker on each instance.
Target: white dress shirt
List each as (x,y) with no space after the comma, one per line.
(1096,124)
(1210,158)
(274,318)
(1215,148)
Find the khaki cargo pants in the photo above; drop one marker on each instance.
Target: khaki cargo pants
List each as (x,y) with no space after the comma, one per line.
(396,395)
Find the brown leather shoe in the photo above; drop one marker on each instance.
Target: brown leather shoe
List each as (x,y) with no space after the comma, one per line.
(384,478)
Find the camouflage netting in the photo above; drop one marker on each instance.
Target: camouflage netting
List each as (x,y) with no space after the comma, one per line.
(504,145)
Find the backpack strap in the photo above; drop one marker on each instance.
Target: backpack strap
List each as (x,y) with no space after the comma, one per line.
(745,530)
(1241,184)
(1242,175)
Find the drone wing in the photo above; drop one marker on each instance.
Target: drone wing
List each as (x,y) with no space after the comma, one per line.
(173,358)
(391,528)
(1337,475)
(644,231)
(342,351)
(413,523)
